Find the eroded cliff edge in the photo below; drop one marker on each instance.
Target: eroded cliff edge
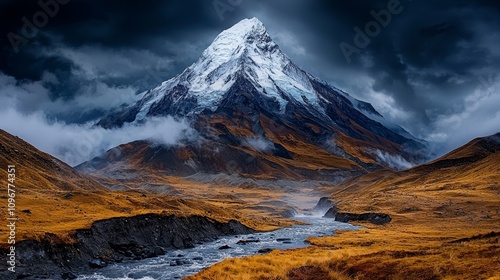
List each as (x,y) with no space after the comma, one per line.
(113,240)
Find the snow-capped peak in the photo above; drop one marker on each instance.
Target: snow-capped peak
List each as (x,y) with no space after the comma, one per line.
(231,40)
(244,49)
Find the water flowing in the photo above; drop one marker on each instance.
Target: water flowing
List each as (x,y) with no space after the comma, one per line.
(177,264)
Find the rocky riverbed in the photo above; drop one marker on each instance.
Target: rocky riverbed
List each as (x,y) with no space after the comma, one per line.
(179,263)
(113,241)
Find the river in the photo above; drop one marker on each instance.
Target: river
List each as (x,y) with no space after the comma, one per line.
(177,264)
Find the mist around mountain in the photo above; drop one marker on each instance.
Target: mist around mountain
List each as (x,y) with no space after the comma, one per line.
(252,107)
(242,141)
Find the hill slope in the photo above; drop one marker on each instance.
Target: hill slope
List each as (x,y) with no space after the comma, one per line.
(471,172)
(52,197)
(445,225)
(39,171)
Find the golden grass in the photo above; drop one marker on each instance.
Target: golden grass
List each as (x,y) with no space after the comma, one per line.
(408,248)
(51,197)
(49,210)
(52,211)
(272,265)
(431,211)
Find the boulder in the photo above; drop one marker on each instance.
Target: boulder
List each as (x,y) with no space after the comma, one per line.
(265,250)
(374,218)
(97,263)
(331,213)
(323,205)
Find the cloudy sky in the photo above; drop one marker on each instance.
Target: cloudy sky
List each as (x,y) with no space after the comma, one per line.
(431,67)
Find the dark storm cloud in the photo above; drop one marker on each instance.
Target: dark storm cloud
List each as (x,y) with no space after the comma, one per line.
(418,69)
(118,43)
(426,69)
(427,42)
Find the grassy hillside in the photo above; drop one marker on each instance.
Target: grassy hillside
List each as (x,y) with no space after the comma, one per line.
(446,225)
(52,197)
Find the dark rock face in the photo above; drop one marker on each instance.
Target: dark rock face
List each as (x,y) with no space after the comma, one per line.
(114,240)
(331,213)
(324,204)
(374,218)
(120,117)
(289,213)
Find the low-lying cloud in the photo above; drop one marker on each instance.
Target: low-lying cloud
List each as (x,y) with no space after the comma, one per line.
(477,116)
(394,161)
(76,143)
(260,144)
(27,111)
(29,97)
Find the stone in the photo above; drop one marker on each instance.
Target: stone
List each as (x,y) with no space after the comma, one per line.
(159,251)
(265,250)
(68,276)
(246,241)
(97,263)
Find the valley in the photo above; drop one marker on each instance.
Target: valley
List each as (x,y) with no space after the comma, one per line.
(445,218)
(277,174)
(445,225)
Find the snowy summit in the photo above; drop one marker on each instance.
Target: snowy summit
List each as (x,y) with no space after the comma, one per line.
(244,78)
(245,55)
(244,49)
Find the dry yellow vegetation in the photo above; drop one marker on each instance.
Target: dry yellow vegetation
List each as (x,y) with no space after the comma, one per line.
(446,225)
(51,197)
(446,216)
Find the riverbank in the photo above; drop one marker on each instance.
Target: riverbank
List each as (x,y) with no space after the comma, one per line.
(51,221)
(179,263)
(114,240)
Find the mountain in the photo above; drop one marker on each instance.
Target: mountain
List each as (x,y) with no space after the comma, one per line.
(259,114)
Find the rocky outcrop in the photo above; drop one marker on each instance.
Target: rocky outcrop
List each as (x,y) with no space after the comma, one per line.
(331,213)
(290,212)
(323,205)
(374,218)
(113,240)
